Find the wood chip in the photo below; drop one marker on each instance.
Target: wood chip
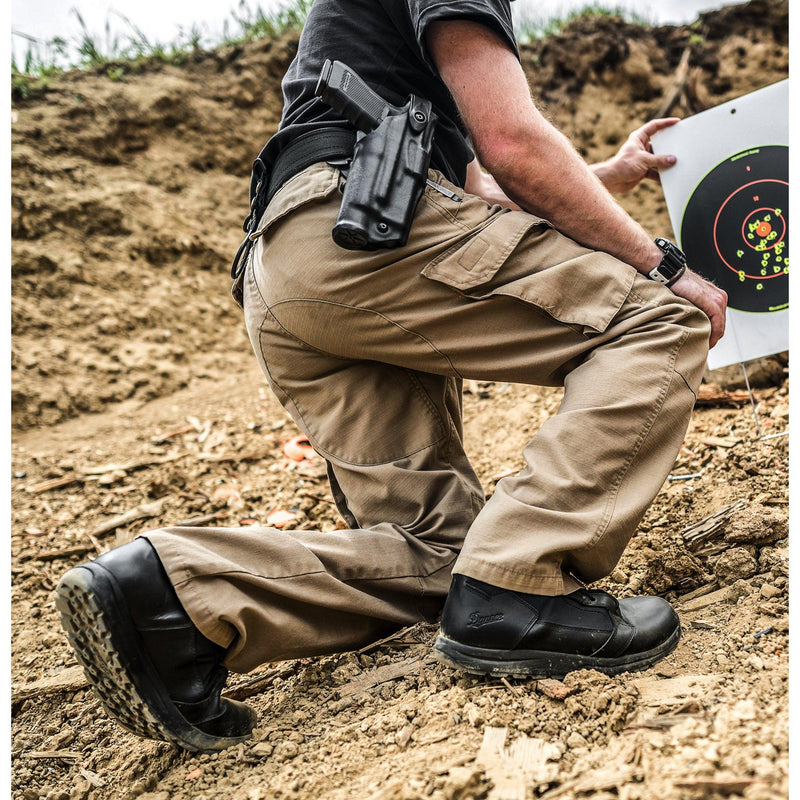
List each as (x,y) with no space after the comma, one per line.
(723,595)
(64,755)
(403,736)
(389,672)
(722,785)
(134,465)
(712,395)
(711,527)
(193,522)
(699,592)
(512,769)
(669,691)
(64,552)
(55,483)
(177,432)
(513,689)
(661,722)
(259,683)
(70,679)
(405,637)
(92,778)
(678,86)
(718,441)
(609,777)
(238,456)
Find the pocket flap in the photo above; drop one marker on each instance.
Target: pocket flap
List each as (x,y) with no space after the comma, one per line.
(572,284)
(474,259)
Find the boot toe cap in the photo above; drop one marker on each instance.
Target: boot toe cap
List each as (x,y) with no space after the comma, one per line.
(653,619)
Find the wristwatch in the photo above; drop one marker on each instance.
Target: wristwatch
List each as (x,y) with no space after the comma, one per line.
(673,264)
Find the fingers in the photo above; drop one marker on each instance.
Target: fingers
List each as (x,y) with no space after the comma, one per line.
(655,164)
(661,162)
(654,126)
(708,298)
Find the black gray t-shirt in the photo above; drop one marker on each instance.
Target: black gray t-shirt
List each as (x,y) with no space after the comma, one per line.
(384,42)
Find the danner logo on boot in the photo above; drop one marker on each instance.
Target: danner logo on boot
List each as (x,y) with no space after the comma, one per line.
(477,620)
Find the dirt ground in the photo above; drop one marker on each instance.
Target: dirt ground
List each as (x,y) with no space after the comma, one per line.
(136,403)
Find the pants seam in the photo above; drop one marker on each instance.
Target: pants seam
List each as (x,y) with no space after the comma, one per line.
(648,426)
(380,314)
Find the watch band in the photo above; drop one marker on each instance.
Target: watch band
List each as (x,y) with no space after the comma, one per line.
(673,263)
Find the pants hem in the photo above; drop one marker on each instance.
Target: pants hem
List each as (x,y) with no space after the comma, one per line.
(551,582)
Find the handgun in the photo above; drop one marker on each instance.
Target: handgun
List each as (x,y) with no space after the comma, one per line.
(390,161)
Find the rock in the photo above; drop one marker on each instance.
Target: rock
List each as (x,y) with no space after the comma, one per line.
(474,715)
(733,565)
(461,782)
(576,740)
(769,591)
(553,688)
(285,751)
(262,749)
(618,576)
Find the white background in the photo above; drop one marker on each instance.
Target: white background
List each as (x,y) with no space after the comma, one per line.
(163,20)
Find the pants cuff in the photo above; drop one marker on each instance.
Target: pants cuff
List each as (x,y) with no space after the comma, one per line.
(190,598)
(550,582)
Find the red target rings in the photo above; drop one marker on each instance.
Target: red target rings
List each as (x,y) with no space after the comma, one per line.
(735,229)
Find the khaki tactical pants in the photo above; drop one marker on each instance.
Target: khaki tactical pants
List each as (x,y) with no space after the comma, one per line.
(366,351)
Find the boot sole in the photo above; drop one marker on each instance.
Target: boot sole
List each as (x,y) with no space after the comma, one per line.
(105,641)
(542,664)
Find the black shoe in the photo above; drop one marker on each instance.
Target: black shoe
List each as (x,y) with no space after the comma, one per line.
(486,629)
(152,669)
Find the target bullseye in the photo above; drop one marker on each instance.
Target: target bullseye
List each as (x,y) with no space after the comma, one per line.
(735,228)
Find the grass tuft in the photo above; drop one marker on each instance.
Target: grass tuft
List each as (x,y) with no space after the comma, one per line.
(528,26)
(44,58)
(117,51)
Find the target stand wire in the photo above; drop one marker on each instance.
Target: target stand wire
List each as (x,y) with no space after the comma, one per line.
(752,401)
(761,437)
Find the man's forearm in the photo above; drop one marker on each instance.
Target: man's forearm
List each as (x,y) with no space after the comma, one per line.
(534,164)
(547,177)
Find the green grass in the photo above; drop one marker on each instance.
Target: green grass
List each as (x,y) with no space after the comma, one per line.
(42,59)
(118,51)
(252,23)
(529,26)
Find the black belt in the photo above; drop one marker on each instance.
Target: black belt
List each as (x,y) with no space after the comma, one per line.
(325,144)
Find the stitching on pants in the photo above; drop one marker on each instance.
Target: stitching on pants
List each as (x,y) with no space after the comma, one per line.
(612,500)
(305,414)
(416,334)
(445,213)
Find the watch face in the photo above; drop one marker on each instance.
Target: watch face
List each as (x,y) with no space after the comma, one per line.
(735,229)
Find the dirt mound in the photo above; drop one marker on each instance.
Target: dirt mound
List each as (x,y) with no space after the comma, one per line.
(128,195)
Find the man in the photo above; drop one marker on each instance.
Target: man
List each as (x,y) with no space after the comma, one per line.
(367,350)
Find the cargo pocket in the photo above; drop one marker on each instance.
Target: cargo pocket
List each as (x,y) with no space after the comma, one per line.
(522,256)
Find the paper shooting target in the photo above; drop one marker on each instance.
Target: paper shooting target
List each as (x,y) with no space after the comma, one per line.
(735,229)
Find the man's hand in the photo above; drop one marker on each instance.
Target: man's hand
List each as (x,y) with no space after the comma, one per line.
(635,159)
(708,298)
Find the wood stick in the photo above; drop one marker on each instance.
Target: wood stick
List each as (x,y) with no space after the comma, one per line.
(55,483)
(144,511)
(131,465)
(678,84)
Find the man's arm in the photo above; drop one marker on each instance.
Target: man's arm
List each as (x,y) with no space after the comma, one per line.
(483,185)
(535,165)
(633,163)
